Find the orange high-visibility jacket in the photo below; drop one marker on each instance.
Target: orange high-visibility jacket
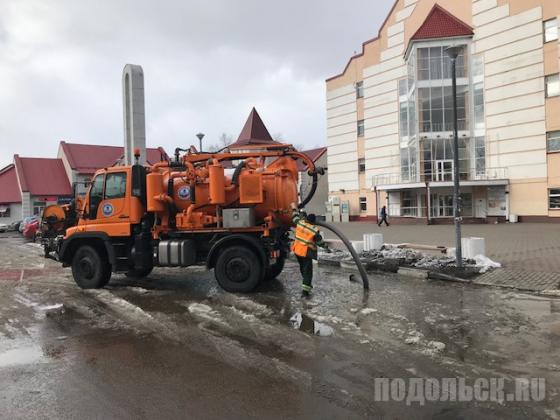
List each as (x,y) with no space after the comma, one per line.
(304,239)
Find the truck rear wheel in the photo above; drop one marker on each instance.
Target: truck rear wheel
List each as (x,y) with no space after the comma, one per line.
(238,269)
(90,269)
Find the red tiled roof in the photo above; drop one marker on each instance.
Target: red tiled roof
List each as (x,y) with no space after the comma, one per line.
(9,187)
(42,176)
(88,158)
(441,24)
(313,154)
(254,132)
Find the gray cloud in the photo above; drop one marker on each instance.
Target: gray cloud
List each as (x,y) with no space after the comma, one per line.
(206,64)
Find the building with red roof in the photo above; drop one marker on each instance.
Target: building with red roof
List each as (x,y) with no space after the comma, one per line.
(254,135)
(10,195)
(30,184)
(82,160)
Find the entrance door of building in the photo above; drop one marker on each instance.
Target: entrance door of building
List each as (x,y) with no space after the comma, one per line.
(442,205)
(444,170)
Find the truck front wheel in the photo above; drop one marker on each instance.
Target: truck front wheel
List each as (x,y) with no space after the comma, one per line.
(238,269)
(90,269)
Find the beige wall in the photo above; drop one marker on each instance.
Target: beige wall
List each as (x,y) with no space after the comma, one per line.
(529,198)
(554,177)
(354,199)
(551,8)
(553,114)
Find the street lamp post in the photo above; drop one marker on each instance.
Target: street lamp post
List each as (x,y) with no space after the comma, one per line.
(453,53)
(200,137)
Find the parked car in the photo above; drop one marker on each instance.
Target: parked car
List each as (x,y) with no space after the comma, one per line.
(14,226)
(3,227)
(30,229)
(26,221)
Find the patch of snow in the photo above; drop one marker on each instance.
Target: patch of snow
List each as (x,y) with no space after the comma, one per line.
(139,290)
(50,307)
(551,292)
(438,346)
(367,311)
(486,263)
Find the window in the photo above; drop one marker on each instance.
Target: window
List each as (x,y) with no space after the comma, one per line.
(479,106)
(359,90)
(363,203)
(480,155)
(5,211)
(361,128)
(115,186)
(552,85)
(550,30)
(361,165)
(38,207)
(403,118)
(409,204)
(96,195)
(554,198)
(553,141)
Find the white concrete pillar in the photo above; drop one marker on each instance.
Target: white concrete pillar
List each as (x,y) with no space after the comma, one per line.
(134,113)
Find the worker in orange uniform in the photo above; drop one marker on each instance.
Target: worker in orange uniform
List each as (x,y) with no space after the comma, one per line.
(307,239)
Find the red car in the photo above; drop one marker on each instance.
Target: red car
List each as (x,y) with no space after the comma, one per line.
(30,230)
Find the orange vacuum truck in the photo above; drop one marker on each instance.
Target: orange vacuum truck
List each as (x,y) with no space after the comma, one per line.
(229,211)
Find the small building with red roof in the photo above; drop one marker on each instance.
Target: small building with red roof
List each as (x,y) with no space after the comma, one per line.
(82,160)
(28,185)
(10,195)
(254,135)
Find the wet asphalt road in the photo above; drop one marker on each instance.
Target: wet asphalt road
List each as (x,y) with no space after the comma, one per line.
(176,346)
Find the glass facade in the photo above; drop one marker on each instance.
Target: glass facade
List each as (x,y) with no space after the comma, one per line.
(426,118)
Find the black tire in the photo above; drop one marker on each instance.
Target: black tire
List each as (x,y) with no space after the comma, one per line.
(274,270)
(139,273)
(90,269)
(238,269)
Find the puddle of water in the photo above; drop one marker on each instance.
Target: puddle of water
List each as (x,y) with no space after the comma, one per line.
(21,356)
(304,323)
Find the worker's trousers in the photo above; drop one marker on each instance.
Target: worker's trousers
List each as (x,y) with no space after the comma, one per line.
(306,270)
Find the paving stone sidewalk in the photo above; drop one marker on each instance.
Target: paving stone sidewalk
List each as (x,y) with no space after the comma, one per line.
(529,252)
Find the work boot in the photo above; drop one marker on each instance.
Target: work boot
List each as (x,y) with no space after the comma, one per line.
(305,295)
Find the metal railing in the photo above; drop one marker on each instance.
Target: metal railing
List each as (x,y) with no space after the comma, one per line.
(396,178)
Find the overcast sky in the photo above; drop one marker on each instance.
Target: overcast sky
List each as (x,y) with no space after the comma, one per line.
(206,63)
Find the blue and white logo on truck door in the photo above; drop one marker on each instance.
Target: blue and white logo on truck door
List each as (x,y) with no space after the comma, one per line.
(107,209)
(184,193)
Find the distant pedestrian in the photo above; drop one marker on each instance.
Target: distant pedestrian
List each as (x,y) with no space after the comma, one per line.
(383,215)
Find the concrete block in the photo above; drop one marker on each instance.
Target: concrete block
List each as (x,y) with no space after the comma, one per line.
(358,246)
(473,246)
(373,241)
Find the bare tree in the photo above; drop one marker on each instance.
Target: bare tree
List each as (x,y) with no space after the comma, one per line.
(223,141)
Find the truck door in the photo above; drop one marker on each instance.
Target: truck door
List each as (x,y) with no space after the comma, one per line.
(113,207)
(108,204)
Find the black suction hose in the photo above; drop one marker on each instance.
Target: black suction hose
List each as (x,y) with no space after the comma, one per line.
(337,232)
(307,199)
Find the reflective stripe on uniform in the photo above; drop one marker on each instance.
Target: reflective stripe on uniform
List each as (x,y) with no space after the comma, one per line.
(308,227)
(306,287)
